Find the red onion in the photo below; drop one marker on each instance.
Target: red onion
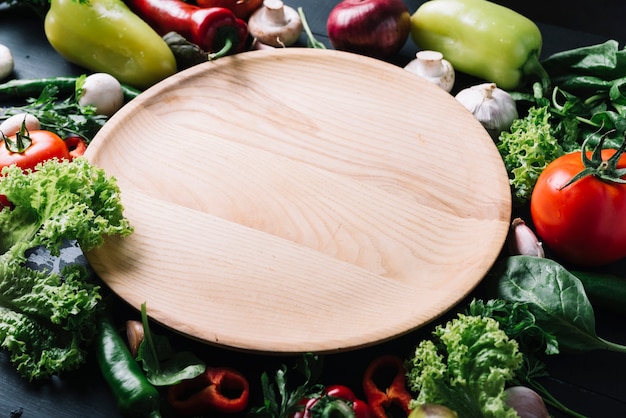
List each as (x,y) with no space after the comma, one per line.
(526,402)
(377,28)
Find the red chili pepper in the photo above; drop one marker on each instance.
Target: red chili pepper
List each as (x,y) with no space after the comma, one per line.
(76,146)
(335,401)
(384,385)
(241,8)
(218,389)
(215,29)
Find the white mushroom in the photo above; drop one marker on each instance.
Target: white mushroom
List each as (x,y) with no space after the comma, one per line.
(431,66)
(12,125)
(102,91)
(275,24)
(6,62)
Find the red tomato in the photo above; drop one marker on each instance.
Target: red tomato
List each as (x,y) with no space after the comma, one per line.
(585,222)
(45,145)
(327,402)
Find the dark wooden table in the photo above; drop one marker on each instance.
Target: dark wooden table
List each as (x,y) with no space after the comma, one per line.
(591,383)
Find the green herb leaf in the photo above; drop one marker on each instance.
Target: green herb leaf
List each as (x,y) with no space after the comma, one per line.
(163,365)
(64,117)
(282,401)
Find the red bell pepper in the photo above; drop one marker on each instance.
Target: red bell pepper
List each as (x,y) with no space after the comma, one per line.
(216,29)
(384,385)
(76,145)
(217,390)
(241,8)
(335,401)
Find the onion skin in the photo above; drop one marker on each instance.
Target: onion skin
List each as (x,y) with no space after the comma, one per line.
(526,402)
(376,28)
(134,335)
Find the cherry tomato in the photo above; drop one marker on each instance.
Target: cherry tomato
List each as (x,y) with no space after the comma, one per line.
(44,145)
(337,401)
(584,222)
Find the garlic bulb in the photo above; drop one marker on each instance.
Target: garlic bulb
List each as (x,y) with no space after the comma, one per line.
(494,108)
(431,66)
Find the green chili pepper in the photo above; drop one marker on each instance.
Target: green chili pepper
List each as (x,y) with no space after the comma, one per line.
(19,88)
(482,39)
(105,36)
(135,396)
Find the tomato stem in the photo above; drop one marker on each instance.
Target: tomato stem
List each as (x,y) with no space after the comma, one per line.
(21,142)
(602,169)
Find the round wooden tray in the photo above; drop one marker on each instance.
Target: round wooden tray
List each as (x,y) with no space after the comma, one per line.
(300,200)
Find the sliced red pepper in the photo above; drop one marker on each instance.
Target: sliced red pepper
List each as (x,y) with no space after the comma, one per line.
(384,385)
(76,146)
(218,390)
(336,401)
(215,29)
(241,8)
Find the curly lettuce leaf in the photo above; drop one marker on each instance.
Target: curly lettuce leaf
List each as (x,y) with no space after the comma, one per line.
(465,367)
(60,201)
(527,148)
(47,317)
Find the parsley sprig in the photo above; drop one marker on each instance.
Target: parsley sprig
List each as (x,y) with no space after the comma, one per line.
(63,117)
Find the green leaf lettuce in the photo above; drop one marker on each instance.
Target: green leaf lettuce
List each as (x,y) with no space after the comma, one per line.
(465,367)
(47,318)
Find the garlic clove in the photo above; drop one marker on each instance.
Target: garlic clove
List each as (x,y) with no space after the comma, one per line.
(431,66)
(523,241)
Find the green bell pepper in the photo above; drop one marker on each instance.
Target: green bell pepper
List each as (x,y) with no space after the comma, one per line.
(106,36)
(482,39)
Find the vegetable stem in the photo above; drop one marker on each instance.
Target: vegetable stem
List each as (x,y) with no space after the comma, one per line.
(311,41)
(533,66)
(552,401)
(611,346)
(147,333)
(228,45)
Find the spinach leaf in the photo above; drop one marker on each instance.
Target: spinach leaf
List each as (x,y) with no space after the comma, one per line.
(586,98)
(602,59)
(557,299)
